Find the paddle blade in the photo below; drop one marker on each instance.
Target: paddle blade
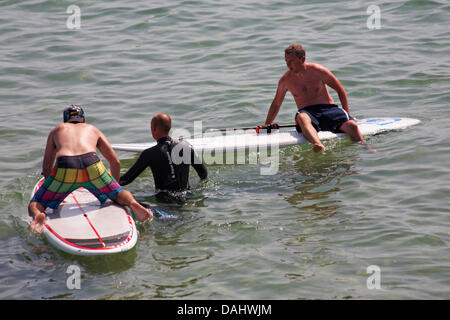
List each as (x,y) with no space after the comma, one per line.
(163,215)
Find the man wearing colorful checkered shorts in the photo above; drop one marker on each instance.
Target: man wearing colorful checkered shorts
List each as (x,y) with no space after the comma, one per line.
(73,172)
(70,162)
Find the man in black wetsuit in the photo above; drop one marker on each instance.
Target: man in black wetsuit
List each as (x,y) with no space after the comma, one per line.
(167,160)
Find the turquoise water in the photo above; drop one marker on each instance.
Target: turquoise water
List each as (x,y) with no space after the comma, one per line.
(308,232)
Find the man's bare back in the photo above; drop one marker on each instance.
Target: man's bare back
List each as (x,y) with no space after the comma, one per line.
(73,139)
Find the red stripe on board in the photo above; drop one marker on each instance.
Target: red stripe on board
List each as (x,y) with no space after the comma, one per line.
(89,221)
(38,185)
(89,249)
(131,226)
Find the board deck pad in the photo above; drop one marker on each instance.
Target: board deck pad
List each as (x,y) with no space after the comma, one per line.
(83,226)
(233,141)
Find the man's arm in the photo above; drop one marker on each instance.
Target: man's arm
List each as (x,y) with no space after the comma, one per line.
(198,165)
(276,103)
(110,155)
(136,169)
(50,154)
(333,82)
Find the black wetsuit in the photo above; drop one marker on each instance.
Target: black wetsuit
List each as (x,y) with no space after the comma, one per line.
(170,169)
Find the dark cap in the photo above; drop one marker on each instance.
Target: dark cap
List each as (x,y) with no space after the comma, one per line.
(73,113)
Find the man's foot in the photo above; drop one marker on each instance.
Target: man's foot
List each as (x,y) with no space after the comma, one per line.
(37,225)
(366,145)
(142,213)
(318,147)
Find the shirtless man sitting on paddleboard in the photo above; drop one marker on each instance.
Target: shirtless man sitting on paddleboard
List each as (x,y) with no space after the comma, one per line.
(74,144)
(308,82)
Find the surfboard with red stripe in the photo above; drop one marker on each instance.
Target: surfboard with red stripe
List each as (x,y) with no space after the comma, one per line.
(82,226)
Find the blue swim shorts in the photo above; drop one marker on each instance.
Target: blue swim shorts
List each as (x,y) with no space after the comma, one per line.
(325,117)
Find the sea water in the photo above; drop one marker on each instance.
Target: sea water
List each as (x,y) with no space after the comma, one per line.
(344,224)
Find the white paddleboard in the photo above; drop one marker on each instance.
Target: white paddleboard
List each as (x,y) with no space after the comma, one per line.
(232,141)
(82,226)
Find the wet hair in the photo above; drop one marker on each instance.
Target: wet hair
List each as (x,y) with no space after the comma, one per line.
(163,122)
(297,49)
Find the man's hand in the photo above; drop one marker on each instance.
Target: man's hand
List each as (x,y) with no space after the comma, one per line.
(268,127)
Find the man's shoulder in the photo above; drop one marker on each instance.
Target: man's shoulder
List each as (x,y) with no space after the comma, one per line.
(88,126)
(60,126)
(150,149)
(72,125)
(285,75)
(79,128)
(316,67)
(285,78)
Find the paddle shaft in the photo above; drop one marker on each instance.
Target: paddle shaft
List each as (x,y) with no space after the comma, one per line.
(248,128)
(243,128)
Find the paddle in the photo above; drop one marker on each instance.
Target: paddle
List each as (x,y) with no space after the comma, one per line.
(161,214)
(257,129)
(268,127)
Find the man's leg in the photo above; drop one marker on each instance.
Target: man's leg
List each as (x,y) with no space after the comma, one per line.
(309,132)
(351,128)
(125,198)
